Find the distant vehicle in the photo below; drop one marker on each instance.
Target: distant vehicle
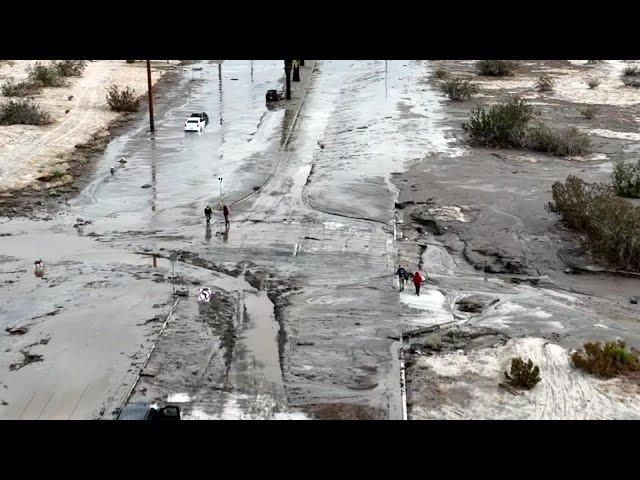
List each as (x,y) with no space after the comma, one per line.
(273,96)
(142,411)
(203,116)
(196,122)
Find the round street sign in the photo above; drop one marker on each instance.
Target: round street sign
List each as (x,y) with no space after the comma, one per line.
(204,295)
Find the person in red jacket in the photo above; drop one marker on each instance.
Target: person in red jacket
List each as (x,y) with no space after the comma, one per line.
(418,278)
(225,212)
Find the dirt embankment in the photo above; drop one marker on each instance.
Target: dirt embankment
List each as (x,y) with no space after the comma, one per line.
(40,165)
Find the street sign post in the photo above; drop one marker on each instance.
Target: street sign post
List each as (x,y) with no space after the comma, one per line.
(204,295)
(220,181)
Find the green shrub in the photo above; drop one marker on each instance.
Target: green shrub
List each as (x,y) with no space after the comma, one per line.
(608,360)
(23,112)
(57,174)
(433,342)
(496,68)
(20,89)
(593,62)
(626,179)
(122,100)
(458,89)
(593,83)
(560,142)
(610,224)
(441,73)
(502,125)
(589,112)
(544,83)
(70,68)
(46,75)
(633,71)
(631,81)
(523,374)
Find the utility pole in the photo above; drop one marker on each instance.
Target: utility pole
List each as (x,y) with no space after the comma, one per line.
(150,96)
(296,71)
(287,74)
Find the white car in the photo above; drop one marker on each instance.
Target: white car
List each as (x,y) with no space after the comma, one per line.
(194,124)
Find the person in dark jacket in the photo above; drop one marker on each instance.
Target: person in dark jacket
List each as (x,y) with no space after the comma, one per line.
(402,276)
(225,212)
(207,213)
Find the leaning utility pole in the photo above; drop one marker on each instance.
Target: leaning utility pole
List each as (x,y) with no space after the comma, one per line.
(287,74)
(150,95)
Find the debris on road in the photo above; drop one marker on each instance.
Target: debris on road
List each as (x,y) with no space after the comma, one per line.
(28,358)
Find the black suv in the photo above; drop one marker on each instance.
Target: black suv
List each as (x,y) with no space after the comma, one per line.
(142,411)
(202,116)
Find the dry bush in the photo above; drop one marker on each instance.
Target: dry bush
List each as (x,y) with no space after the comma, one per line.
(20,89)
(609,360)
(560,142)
(459,90)
(523,374)
(626,179)
(46,75)
(70,68)
(610,224)
(544,83)
(441,73)
(589,112)
(593,83)
(122,100)
(23,112)
(502,125)
(496,68)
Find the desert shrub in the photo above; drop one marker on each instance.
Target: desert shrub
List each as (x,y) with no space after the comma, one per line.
(433,342)
(593,83)
(610,224)
(523,374)
(46,75)
(496,68)
(608,360)
(626,179)
(130,61)
(23,112)
(631,81)
(589,112)
(458,89)
(70,68)
(122,100)
(441,73)
(633,71)
(544,83)
(20,89)
(502,125)
(561,142)
(57,174)
(593,62)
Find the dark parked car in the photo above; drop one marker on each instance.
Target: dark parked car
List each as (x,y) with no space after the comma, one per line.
(202,116)
(142,411)
(273,96)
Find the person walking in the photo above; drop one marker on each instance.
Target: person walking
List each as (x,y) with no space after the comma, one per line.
(418,278)
(207,213)
(225,212)
(402,275)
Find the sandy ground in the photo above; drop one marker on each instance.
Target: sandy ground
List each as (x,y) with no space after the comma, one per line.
(28,152)
(467,386)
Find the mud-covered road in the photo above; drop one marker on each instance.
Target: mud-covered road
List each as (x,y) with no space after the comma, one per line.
(303,307)
(324,194)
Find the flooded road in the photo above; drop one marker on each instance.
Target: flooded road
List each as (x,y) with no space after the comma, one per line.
(305,313)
